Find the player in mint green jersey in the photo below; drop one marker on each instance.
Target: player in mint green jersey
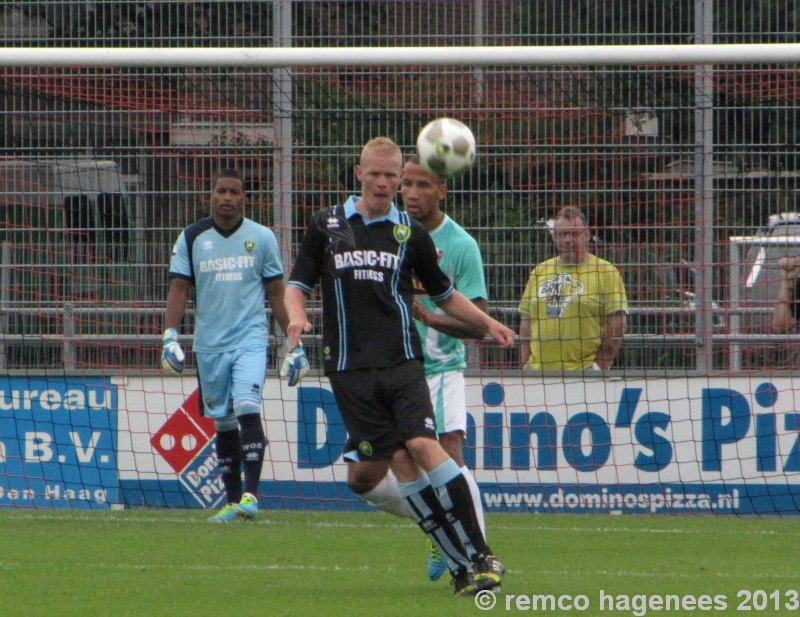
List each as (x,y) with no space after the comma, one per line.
(441,335)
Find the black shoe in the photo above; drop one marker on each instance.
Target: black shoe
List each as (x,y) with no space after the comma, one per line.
(489,571)
(464,584)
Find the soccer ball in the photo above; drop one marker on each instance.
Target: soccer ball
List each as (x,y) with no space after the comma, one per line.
(446,147)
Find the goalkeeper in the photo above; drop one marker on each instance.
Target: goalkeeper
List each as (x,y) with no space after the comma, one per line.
(234,265)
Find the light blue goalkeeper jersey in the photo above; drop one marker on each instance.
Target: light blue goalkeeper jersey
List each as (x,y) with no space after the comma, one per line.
(228,271)
(460,259)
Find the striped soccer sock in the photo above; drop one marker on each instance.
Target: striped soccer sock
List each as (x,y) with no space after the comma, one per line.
(453,491)
(429,515)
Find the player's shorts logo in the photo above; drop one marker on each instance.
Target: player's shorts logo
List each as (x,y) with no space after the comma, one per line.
(365,448)
(249,246)
(402,233)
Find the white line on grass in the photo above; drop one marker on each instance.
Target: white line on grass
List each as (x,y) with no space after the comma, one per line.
(336,568)
(681,575)
(298,521)
(716,532)
(171,567)
(99,518)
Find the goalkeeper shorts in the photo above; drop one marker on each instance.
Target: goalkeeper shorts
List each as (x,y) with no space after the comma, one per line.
(238,374)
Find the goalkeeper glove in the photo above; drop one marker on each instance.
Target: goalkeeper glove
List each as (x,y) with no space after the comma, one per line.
(295,366)
(172,356)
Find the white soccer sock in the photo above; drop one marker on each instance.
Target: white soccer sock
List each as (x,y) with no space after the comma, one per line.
(386,497)
(475,491)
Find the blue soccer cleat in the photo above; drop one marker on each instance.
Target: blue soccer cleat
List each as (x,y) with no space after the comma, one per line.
(247,508)
(226,515)
(436,564)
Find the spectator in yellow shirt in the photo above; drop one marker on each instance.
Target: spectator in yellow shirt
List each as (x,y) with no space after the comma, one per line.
(574,308)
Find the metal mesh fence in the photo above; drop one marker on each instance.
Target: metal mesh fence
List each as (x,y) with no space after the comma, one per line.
(102,168)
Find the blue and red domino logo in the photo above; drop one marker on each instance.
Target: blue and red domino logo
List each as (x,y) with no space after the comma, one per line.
(186,442)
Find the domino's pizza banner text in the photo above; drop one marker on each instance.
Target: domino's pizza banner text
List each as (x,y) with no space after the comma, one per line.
(536,445)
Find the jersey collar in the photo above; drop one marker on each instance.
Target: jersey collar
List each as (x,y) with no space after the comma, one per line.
(440,225)
(229,232)
(350,211)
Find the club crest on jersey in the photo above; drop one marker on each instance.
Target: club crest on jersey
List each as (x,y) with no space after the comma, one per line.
(249,246)
(402,233)
(365,448)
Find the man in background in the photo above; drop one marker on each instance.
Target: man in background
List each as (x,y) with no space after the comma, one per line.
(787,312)
(574,308)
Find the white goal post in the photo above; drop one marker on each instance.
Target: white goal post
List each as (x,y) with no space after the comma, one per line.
(589,55)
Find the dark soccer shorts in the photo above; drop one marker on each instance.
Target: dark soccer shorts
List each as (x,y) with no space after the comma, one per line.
(383,408)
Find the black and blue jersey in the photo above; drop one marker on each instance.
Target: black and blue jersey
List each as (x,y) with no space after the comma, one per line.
(367,269)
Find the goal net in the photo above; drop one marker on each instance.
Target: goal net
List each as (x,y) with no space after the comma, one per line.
(687,173)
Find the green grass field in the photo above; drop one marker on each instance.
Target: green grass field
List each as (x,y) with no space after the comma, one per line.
(171,562)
